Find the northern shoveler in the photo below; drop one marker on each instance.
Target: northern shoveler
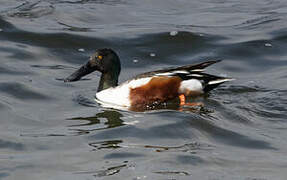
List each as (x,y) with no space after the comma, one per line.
(147,88)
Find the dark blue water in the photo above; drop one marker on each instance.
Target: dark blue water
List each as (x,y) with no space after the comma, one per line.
(54,130)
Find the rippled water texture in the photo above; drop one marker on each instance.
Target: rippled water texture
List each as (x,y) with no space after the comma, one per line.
(54,130)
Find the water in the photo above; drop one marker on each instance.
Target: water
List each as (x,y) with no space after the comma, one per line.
(52,130)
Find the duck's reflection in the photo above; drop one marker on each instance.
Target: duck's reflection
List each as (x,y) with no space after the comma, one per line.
(196,105)
(102,120)
(112,118)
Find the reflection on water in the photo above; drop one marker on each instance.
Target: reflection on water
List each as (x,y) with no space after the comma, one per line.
(111,119)
(109,171)
(73,28)
(182,173)
(106,172)
(191,147)
(113,144)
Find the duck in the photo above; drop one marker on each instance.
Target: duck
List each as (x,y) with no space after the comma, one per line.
(147,88)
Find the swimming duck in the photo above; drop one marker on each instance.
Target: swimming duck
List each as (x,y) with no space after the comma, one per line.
(147,88)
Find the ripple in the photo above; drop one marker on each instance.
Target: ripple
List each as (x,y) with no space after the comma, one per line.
(75,29)
(239,89)
(85,98)
(110,171)
(53,67)
(18,54)
(106,172)
(194,160)
(8,71)
(6,26)
(35,135)
(270,105)
(176,45)
(4,175)
(3,106)
(21,91)
(11,145)
(168,173)
(29,10)
(111,144)
(257,23)
(106,2)
(114,144)
(230,137)
(124,155)
(50,40)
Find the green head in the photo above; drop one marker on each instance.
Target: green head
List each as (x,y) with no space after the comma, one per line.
(105,61)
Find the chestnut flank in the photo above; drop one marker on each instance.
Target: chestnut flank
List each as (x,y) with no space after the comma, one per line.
(158,89)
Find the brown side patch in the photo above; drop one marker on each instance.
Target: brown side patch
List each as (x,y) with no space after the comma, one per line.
(158,89)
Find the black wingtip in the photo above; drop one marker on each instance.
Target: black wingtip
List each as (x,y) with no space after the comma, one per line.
(201,66)
(207,63)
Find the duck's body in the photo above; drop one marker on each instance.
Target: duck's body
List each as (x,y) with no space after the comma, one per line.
(148,88)
(146,91)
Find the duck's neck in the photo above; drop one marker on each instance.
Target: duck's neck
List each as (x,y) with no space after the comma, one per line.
(109,79)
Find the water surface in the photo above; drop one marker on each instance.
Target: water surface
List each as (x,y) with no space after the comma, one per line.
(53,130)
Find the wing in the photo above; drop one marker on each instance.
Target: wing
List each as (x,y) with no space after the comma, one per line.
(183,71)
(194,71)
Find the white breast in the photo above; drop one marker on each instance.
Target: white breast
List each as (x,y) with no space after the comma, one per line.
(120,95)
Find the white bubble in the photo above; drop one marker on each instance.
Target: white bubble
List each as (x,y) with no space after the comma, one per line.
(81,50)
(1,30)
(152,54)
(268,45)
(135,60)
(173,33)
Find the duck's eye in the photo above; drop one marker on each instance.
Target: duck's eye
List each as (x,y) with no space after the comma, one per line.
(100,57)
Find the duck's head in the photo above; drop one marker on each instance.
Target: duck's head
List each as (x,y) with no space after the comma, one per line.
(104,60)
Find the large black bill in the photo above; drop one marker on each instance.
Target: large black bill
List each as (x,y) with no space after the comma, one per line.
(82,71)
